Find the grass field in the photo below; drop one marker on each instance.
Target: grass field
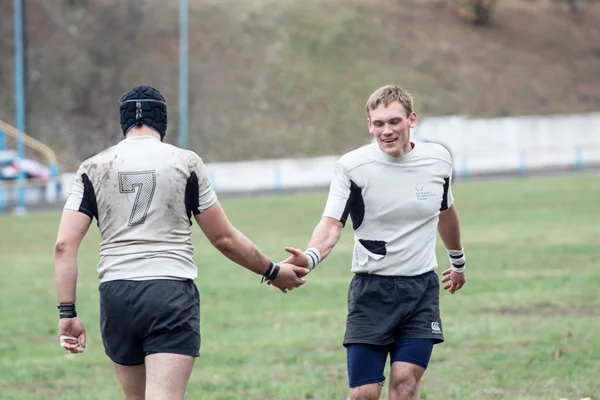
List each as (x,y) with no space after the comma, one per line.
(524,327)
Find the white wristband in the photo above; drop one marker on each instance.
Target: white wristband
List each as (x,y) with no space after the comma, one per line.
(313,256)
(457,260)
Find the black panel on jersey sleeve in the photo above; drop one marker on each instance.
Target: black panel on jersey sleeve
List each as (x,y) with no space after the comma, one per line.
(88,204)
(374,246)
(445,195)
(192,196)
(355,207)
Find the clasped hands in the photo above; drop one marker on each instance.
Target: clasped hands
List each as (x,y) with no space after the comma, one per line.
(291,272)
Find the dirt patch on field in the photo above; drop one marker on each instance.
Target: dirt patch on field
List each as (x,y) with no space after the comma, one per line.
(547,309)
(493,346)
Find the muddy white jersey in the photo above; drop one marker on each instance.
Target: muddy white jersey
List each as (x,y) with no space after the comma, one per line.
(143,193)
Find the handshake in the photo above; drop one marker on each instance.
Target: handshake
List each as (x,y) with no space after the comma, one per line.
(287,274)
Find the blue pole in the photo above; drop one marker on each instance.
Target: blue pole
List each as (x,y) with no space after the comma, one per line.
(20,102)
(2,147)
(213,180)
(523,163)
(464,171)
(277,184)
(54,179)
(2,194)
(578,158)
(183,73)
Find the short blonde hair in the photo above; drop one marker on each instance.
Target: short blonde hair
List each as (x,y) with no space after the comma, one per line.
(388,94)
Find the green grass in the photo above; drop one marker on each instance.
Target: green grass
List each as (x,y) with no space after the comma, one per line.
(524,327)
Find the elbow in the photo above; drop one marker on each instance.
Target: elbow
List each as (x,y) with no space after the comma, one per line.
(62,247)
(449,213)
(222,235)
(450,210)
(224,244)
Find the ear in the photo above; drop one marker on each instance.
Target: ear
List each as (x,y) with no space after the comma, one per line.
(412,118)
(369,125)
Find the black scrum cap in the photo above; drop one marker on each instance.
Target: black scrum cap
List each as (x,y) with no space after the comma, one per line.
(144,105)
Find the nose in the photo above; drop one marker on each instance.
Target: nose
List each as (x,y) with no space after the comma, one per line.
(387,129)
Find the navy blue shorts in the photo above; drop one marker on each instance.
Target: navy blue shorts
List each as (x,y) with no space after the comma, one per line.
(366,362)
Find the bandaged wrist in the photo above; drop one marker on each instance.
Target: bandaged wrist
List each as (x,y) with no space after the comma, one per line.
(457,260)
(313,256)
(67,310)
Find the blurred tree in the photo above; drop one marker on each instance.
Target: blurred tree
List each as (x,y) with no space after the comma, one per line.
(75,3)
(104,41)
(478,12)
(573,6)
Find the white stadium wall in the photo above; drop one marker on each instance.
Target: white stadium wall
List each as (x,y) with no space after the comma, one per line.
(505,145)
(479,147)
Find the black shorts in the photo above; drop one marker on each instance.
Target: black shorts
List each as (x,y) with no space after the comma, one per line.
(138,318)
(384,309)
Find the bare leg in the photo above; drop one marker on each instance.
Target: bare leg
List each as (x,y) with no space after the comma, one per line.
(132,380)
(372,391)
(404,381)
(167,376)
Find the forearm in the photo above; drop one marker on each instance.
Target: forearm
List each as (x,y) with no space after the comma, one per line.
(449,228)
(65,274)
(325,236)
(239,249)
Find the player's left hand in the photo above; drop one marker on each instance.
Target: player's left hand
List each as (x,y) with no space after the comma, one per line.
(71,334)
(455,280)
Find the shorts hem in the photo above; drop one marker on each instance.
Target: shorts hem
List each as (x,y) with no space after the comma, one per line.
(354,340)
(145,278)
(123,362)
(436,339)
(348,342)
(410,361)
(366,382)
(183,352)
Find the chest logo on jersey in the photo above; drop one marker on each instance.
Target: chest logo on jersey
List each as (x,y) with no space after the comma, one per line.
(422,192)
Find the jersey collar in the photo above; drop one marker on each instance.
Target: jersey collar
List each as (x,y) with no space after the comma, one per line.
(382,156)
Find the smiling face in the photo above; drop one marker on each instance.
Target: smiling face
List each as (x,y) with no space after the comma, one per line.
(390,125)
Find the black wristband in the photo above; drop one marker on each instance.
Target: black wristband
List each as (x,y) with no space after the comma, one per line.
(67,310)
(271,273)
